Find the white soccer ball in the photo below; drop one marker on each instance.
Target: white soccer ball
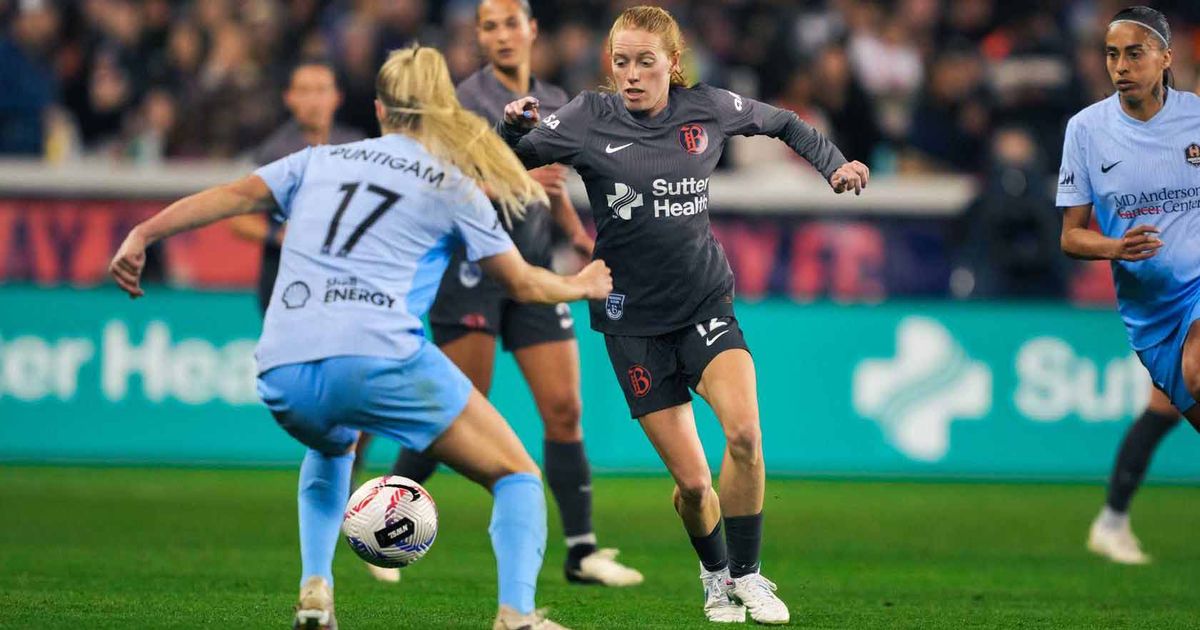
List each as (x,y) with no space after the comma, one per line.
(390,521)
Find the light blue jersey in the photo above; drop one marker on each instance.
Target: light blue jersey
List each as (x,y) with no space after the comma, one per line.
(370,228)
(1142,173)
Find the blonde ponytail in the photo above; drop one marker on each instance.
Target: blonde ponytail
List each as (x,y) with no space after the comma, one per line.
(418,100)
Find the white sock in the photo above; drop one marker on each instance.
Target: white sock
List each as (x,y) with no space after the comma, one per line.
(1112,519)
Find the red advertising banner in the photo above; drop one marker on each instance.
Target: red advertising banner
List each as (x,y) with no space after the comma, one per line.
(56,241)
(53,242)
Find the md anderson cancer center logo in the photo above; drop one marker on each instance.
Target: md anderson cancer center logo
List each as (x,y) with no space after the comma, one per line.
(1165,200)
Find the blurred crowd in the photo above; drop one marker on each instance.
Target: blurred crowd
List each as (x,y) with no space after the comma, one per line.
(908,85)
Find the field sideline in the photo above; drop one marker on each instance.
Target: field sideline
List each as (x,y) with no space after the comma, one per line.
(179,548)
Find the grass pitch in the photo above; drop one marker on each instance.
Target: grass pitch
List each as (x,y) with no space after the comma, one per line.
(175,548)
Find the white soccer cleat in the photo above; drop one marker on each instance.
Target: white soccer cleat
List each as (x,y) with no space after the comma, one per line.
(1116,543)
(509,619)
(383,574)
(315,608)
(718,606)
(757,593)
(601,567)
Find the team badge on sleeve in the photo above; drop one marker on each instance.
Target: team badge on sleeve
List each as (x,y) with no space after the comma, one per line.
(614,306)
(1193,154)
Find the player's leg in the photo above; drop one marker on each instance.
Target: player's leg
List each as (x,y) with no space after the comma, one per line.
(427,403)
(480,445)
(1110,534)
(542,340)
(729,384)
(1190,368)
(474,352)
(672,431)
(647,369)
(307,411)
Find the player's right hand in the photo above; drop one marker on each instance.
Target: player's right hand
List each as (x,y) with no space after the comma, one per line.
(523,113)
(596,280)
(1139,243)
(127,265)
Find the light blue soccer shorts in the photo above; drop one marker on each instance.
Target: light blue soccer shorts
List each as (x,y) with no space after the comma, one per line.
(1164,361)
(324,403)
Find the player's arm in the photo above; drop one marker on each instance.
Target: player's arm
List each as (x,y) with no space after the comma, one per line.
(740,116)
(529,283)
(553,178)
(246,195)
(1080,241)
(520,117)
(539,141)
(564,214)
(256,229)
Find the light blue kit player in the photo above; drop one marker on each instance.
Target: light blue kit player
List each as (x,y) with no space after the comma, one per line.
(370,228)
(1134,159)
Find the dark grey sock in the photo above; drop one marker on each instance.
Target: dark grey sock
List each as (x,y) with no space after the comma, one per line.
(414,464)
(711,549)
(1134,457)
(570,479)
(744,536)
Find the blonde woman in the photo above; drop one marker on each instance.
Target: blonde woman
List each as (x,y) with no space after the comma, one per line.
(645,152)
(371,226)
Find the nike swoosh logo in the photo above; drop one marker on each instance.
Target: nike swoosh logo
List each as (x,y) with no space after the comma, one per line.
(711,341)
(1105,169)
(611,149)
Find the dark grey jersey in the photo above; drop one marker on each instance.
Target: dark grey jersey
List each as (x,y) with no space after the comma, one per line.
(483,94)
(647,181)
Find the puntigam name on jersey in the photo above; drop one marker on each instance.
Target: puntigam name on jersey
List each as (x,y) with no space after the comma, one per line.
(371,225)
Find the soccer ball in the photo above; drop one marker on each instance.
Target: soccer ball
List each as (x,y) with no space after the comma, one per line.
(390,521)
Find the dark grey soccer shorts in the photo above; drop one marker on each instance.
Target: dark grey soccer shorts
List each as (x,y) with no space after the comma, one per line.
(468,301)
(656,372)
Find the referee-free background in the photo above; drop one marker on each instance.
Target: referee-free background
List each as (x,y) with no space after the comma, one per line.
(942,391)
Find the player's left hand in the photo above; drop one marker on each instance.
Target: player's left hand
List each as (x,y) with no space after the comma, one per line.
(850,176)
(127,265)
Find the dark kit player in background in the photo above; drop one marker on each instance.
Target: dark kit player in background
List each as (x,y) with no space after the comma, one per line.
(645,152)
(312,97)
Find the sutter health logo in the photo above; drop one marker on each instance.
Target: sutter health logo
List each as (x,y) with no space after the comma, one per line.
(930,383)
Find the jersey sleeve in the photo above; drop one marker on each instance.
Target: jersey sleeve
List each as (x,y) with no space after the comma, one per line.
(741,116)
(478,224)
(283,177)
(561,135)
(1074,184)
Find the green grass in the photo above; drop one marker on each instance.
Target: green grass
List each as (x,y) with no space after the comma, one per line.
(171,548)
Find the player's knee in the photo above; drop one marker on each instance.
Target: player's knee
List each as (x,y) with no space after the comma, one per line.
(516,463)
(691,491)
(1191,374)
(744,440)
(561,418)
